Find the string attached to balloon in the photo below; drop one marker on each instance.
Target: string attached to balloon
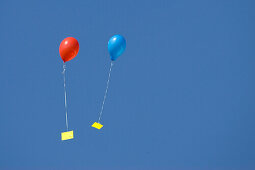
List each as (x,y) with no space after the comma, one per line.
(64,75)
(116,46)
(68,49)
(106,91)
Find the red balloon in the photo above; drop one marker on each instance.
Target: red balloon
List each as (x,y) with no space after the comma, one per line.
(68,49)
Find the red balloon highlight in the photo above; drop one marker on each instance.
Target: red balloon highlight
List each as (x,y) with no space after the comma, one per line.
(68,49)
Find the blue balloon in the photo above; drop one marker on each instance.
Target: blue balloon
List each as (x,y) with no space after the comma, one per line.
(116,46)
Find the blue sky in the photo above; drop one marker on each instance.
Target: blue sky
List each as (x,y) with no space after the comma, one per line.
(181,96)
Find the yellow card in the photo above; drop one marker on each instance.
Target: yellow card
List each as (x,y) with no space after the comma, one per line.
(97,125)
(67,135)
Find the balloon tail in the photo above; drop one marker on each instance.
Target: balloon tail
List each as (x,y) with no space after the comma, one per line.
(106,91)
(64,75)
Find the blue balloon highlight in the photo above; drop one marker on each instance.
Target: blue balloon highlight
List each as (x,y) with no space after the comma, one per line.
(116,46)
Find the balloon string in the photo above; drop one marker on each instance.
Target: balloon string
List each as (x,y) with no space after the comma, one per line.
(106,91)
(64,75)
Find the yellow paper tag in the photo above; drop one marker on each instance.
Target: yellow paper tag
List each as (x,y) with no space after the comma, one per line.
(97,125)
(67,135)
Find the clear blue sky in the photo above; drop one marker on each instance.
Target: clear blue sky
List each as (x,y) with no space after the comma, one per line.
(181,96)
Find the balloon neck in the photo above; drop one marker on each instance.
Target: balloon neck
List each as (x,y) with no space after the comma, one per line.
(113,59)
